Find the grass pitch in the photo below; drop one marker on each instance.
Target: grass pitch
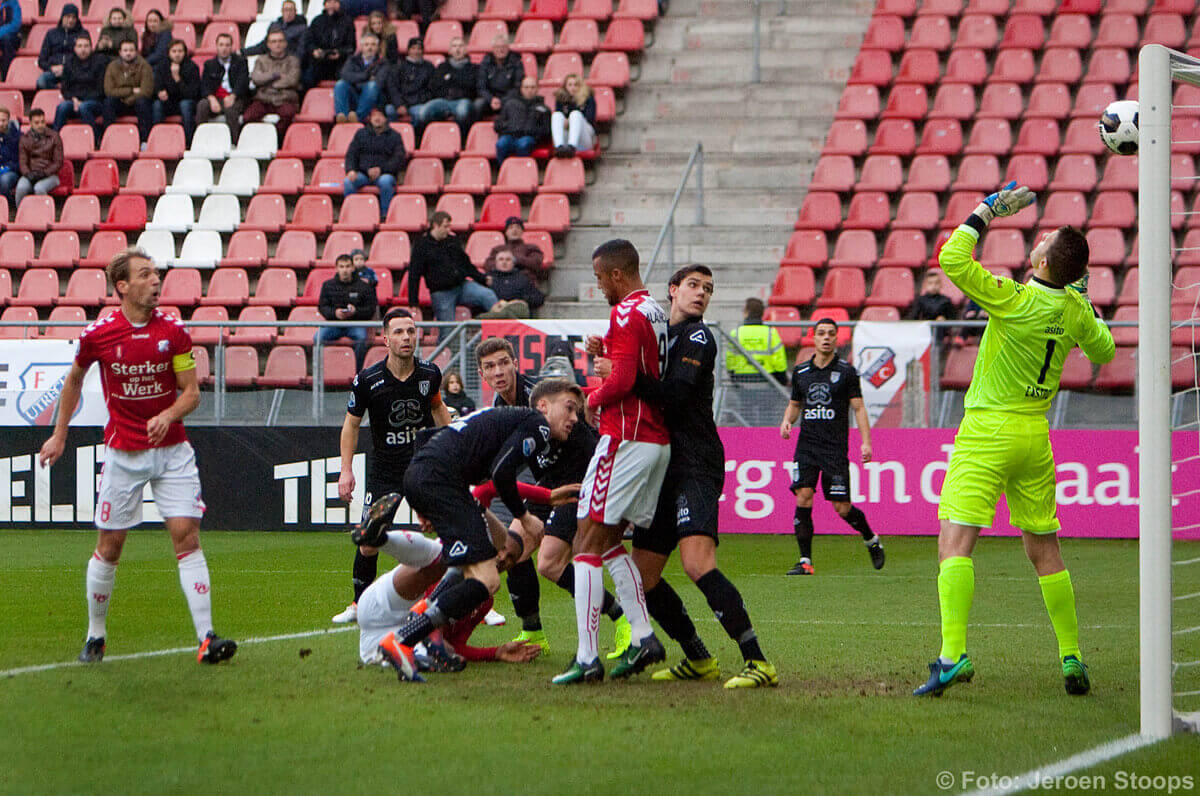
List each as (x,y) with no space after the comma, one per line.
(299,716)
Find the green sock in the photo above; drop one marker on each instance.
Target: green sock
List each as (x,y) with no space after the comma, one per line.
(1059,596)
(956,589)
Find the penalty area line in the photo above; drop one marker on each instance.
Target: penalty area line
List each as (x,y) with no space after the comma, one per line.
(133,656)
(1086,759)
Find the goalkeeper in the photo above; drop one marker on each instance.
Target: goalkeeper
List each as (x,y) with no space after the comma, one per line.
(1003,443)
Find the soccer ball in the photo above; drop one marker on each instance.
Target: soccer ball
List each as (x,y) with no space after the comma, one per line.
(1118,127)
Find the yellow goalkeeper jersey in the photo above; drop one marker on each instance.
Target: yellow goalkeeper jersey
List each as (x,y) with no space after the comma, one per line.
(1031,329)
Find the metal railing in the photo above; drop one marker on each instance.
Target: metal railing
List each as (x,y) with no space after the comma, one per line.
(755,69)
(667,233)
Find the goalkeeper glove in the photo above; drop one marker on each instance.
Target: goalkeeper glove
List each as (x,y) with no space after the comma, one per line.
(1080,285)
(1008,201)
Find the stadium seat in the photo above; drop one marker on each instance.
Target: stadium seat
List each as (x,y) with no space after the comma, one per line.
(208,43)
(847,137)
(209,335)
(78,141)
(966,65)
(821,210)
(1109,65)
(440,140)
(508,10)
(471,175)
(793,287)
(1117,30)
(1076,173)
(806,248)
(885,32)
(1129,287)
(904,248)
(101,248)
(181,287)
(79,214)
(1040,137)
(563,175)
(953,101)
(481,141)
(276,288)
(928,173)
(159,244)
(480,245)
(1183,368)
(1071,30)
(424,175)
(461,208)
(174,213)
(239,176)
(193,176)
(328,177)
(960,205)
(257,140)
(1066,207)
(1049,101)
(599,10)
(406,212)
(1189,253)
(1029,170)
(932,33)
(312,286)
(27,315)
(871,67)
(844,287)
(833,173)
(147,177)
(87,287)
(221,212)
(23,73)
(1165,29)
(533,36)
(337,243)
(255,335)
(38,288)
(518,175)
(869,210)
(558,66)
(439,33)
(228,287)
(550,212)
(855,248)
(287,367)
(977,173)
(624,35)
(34,214)
(313,213)
(60,249)
(609,69)
(241,366)
(940,137)
(1092,99)
(247,249)
(857,102)
(892,137)
(789,335)
(960,368)
(916,66)
(203,367)
(302,140)
(1102,284)
(359,213)
(1118,375)
(1025,31)
(120,142)
(211,141)
(1077,371)
(337,366)
(977,31)
(1015,65)
(166,142)
(284,176)
(917,210)
(888,314)
(497,209)
(300,335)
(1081,138)
(65,314)
(892,287)
(1113,209)
(1001,101)
(266,213)
(881,173)
(201,249)
(1060,65)
(317,106)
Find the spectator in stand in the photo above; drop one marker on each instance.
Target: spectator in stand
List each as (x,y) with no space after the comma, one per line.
(58,46)
(294,28)
(381,26)
(517,293)
(224,86)
(971,334)
(573,123)
(40,156)
(500,76)
(376,155)
(10,156)
(347,297)
(408,84)
(362,8)
(82,88)
(422,10)
(277,76)
(363,77)
(10,34)
(104,47)
(119,28)
(329,43)
(156,38)
(522,121)
(931,304)
(528,257)
(454,394)
(454,83)
(439,258)
(129,88)
(177,83)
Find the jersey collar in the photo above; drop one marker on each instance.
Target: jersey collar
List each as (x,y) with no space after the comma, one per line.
(1043,285)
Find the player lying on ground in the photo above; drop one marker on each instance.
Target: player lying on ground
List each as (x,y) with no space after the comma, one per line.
(568,465)
(492,444)
(402,394)
(688,504)
(149,378)
(824,391)
(1003,443)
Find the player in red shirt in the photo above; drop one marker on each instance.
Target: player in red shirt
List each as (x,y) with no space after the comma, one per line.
(149,378)
(626,472)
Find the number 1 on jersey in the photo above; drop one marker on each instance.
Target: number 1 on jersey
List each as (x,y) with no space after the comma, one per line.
(1046,363)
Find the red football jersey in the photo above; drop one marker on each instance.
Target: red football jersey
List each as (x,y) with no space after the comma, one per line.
(137,368)
(636,342)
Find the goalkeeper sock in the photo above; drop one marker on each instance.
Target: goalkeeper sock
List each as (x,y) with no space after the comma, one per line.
(610,607)
(1059,596)
(956,589)
(802,526)
(100,577)
(667,609)
(525,593)
(363,572)
(858,521)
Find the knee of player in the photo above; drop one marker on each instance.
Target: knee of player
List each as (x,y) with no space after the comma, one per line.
(549,567)
(697,569)
(842,508)
(804,499)
(489,576)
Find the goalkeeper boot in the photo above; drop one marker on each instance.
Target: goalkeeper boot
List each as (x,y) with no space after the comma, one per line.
(636,659)
(580,673)
(400,658)
(943,675)
(372,531)
(875,549)
(534,637)
(1075,676)
(688,669)
(622,637)
(755,674)
(215,649)
(348,616)
(803,567)
(93,651)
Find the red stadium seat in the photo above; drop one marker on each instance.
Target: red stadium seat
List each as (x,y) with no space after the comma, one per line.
(359,213)
(65,314)
(23,73)
(1102,284)
(564,175)
(1049,101)
(440,140)
(120,142)
(461,208)
(497,208)
(941,137)
(977,31)
(534,36)
(337,243)
(518,175)
(901,8)
(35,214)
(558,66)
(508,10)
(208,44)
(872,67)
(1039,7)
(287,367)
(609,69)
(1092,98)
(918,66)
(1075,173)
(959,206)
(472,175)
(1039,137)
(15,102)
(892,137)
(932,33)
(1067,207)
(1165,29)
(241,366)
(300,335)
(166,142)
(904,248)
(989,136)
(266,213)
(1081,138)
(38,288)
(966,65)
(788,335)
(960,368)
(328,177)
(60,249)
(553,10)
(101,248)
(954,101)
(917,210)
(1113,209)
(482,33)
(1106,246)
(1001,101)
(240,11)
(1077,371)
(794,287)
(285,176)
(599,10)
(126,212)
(312,286)
(857,102)
(807,248)
(296,249)
(255,335)
(1185,135)
(550,212)
(868,210)
(276,288)
(1119,374)
(1004,248)
(885,32)
(1014,65)
(79,214)
(1029,170)
(1129,287)
(480,245)
(99,178)
(847,137)
(892,287)
(147,177)
(928,173)
(833,173)
(229,287)
(19,314)
(247,249)
(302,140)
(1071,30)
(313,213)
(821,210)
(1060,65)
(906,101)
(1117,30)
(977,173)
(844,287)
(406,212)
(1109,65)
(481,141)
(337,366)
(625,35)
(1025,31)
(881,173)
(78,141)
(855,248)
(317,106)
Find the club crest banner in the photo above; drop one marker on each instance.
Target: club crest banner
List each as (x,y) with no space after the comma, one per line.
(32,373)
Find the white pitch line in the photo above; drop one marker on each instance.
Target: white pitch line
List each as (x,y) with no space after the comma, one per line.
(45,667)
(1087,759)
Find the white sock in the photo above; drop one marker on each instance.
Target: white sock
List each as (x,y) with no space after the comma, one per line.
(589,596)
(628,582)
(411,548)
(873,540)
(100,577)
(193,577)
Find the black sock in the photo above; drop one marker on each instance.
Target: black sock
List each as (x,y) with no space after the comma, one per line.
(452,578)
(667,609)
(525,593)
(858,521)
(363,572)
(726,604)
(455,602)
(802,526)
(610,606)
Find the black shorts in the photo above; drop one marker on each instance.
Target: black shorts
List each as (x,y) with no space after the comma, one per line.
(688,505)
(440,495)
(834,472)
(562,522)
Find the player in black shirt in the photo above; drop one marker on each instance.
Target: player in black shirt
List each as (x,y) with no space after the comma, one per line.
(493,444)
(824,390)
(403,395)
(568,465)
(687,510)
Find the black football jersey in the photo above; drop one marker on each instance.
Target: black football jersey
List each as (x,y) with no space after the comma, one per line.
(398,409)
(525,385)
(824,396)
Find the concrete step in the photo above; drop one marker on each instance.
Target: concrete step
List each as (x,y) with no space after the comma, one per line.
(724,67)
(663,172)
(733,9)
(819,100)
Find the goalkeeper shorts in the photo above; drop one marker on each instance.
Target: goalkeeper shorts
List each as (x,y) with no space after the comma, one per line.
(999,453)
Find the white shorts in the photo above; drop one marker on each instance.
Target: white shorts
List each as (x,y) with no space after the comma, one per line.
(171,473)
(623,481)
(380,611)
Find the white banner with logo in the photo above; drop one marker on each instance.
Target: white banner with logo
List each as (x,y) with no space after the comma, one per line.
(883,352)
(32,373)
